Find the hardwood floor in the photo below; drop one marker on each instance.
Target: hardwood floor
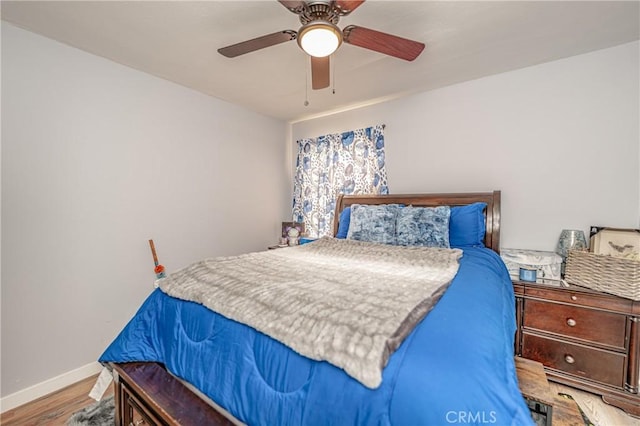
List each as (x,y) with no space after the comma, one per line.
(56,408)
(53,409)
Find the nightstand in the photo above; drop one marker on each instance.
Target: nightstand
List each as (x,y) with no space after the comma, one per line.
(584,338)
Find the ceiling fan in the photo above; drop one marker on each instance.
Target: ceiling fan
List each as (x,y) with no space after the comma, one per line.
(320,36)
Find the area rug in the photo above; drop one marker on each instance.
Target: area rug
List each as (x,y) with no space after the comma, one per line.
(101,413)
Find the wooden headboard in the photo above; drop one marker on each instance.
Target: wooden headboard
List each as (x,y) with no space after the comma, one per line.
(491,213)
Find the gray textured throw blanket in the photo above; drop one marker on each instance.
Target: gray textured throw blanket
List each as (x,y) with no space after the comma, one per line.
(349,303)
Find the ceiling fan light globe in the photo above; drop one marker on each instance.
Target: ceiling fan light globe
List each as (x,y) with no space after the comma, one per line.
(319,39)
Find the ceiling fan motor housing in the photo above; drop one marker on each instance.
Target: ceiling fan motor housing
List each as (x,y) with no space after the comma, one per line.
(319,11)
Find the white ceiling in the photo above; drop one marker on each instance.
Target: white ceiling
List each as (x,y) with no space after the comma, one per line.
(177,40)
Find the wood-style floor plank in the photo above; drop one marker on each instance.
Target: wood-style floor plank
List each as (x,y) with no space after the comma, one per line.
(53,409)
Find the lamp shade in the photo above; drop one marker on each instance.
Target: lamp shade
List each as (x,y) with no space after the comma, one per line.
(319,39)
(570,239)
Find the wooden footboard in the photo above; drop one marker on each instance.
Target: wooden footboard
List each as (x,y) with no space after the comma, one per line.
(146,394)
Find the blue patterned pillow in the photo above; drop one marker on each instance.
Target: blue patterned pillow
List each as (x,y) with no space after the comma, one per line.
(373,223)
(423,226)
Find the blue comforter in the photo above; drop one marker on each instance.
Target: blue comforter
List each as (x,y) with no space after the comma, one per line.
(456,367)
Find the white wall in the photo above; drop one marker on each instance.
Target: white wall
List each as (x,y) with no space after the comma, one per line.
(96,159)
(561,140)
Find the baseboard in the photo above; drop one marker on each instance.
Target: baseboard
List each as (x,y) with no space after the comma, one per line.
(41,389)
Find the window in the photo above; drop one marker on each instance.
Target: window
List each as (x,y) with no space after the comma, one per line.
(343,163)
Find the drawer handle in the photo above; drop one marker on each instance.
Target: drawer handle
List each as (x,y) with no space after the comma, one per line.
(569,359)
(574,297)
(571,322)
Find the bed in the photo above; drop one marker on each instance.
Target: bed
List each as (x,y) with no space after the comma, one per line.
(453,365)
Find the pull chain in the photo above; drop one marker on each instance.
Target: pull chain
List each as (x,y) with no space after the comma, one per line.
(306,84)
(333,75)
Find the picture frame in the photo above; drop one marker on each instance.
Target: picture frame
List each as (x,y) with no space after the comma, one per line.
(286,226)
(621,243)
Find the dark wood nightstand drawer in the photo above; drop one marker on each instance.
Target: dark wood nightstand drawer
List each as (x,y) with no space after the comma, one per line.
(581,296)
(601,327)
(590,363)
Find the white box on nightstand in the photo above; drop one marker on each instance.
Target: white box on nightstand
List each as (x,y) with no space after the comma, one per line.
(548,265)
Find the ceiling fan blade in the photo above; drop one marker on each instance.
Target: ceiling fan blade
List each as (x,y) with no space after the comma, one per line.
(257,43)
(382,42)
(347,6)
(320,74)
(294,6)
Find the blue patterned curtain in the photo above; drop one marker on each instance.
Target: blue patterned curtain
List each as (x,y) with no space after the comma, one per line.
(348,163)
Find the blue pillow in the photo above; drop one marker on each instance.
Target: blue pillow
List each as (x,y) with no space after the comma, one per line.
(466,225)
(373,223)
(423,226)
(343,224)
